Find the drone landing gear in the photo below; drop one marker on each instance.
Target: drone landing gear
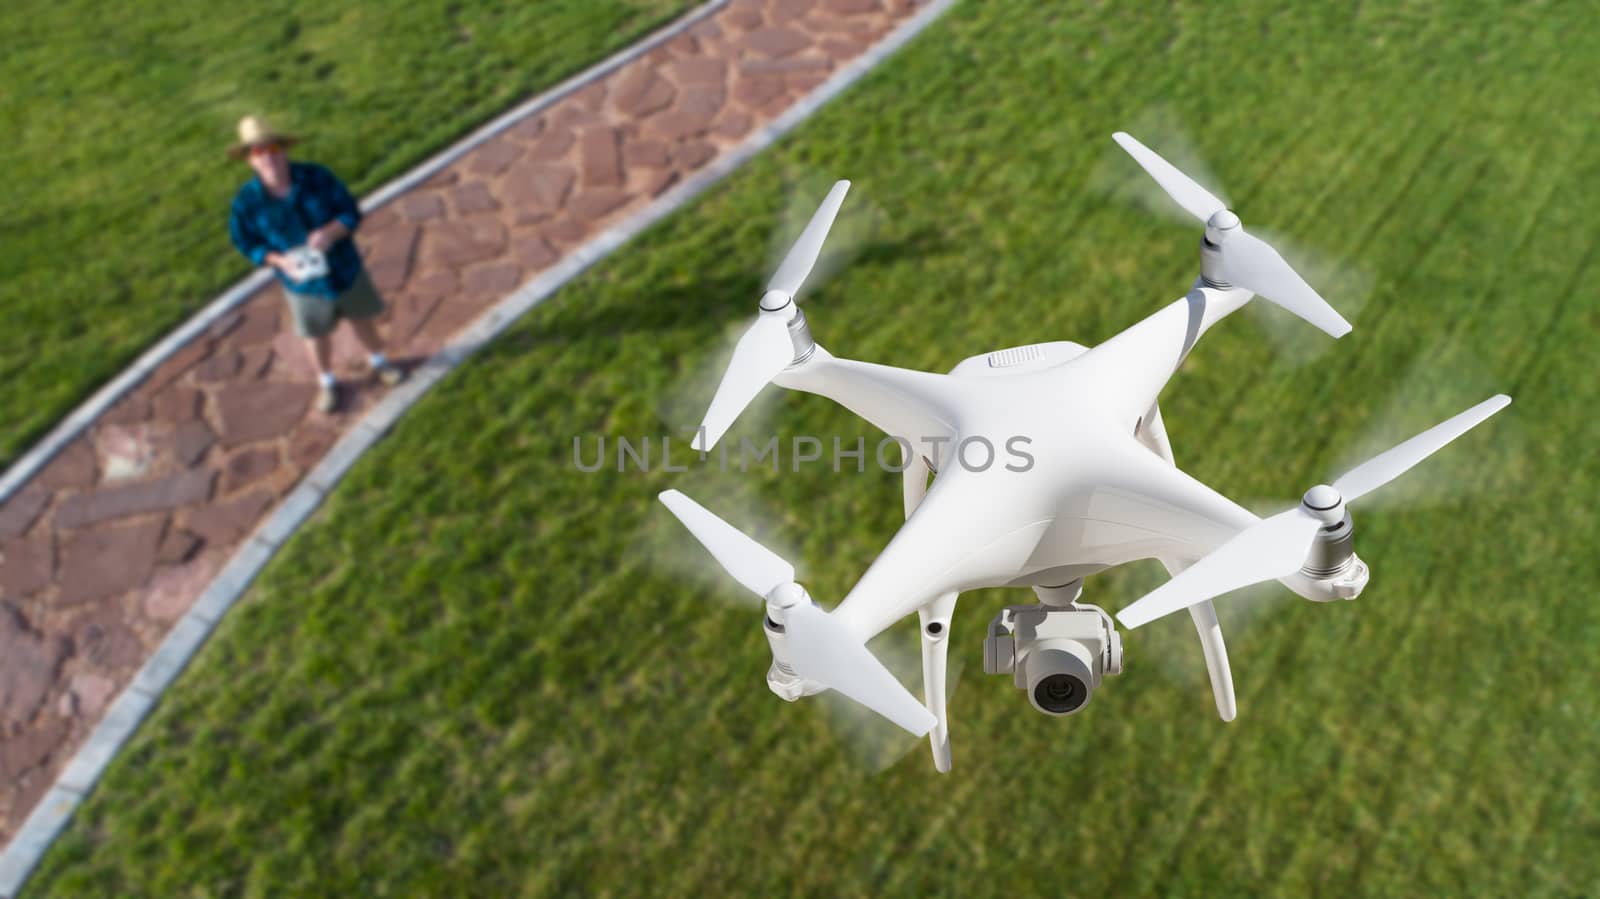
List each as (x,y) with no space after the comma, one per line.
(1216,653)
(1153,434)
(935,620)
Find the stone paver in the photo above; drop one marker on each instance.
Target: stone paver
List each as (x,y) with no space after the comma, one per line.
(114,540)
(20,511)
(32,660)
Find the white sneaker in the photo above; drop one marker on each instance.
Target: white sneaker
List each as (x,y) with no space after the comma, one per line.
(391,374)
(327,397)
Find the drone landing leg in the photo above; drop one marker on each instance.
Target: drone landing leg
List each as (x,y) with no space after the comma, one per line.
(1216,652)
(935,620)
(1153,434)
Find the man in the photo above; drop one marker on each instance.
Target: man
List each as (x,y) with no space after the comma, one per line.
(289,205)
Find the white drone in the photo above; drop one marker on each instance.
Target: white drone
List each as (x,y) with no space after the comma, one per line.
(1102,490)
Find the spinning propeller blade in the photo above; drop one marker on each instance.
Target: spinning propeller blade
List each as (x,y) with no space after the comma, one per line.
(1272,548)
(821,648)
(762,352)
(1392,463)
(1198,201)
(765,349)
(1247,261)
(1277,547)
(1253,264)
(759,569)
(825,651)
(807,247)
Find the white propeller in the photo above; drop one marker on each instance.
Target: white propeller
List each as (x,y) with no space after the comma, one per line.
(807,247)
(1196,200)
(1392,463)
(1247,261)
(765,349)
(756,568)
(1277,547)
(821,648)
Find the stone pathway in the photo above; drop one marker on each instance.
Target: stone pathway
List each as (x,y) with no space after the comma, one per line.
(112,541)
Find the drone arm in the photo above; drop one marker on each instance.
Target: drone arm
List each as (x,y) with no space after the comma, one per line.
(903,403)
(1152,432)
(955,540)
(1136,363)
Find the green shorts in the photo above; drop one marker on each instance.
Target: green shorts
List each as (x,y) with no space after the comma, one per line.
(316,316)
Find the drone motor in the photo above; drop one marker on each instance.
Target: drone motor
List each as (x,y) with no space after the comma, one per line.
(1219,227)
(1332,556)
(800,335)
(782,678)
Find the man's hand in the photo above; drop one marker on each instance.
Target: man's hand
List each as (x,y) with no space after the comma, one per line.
(277,261)
(327,235)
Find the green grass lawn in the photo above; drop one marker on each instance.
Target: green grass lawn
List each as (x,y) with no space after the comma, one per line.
(114,213)
(481,672)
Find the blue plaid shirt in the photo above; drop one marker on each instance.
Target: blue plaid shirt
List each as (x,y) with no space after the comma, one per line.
(261,223)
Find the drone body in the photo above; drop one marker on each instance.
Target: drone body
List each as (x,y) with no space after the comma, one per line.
(1099,489)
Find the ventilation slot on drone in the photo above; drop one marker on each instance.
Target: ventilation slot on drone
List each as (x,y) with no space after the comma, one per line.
(1015,356)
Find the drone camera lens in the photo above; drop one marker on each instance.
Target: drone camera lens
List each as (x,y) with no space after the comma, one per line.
(1060,693)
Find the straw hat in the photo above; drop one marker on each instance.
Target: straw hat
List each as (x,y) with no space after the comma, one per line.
(254,131)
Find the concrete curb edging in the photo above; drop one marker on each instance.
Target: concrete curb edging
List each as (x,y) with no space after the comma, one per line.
(40,454)
(55,810)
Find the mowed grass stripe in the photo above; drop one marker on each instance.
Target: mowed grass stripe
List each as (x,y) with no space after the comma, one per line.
(1336,159)
(1246,404)
(1420,619)
(1288,658)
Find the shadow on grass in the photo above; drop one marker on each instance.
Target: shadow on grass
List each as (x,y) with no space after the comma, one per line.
(690,307)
